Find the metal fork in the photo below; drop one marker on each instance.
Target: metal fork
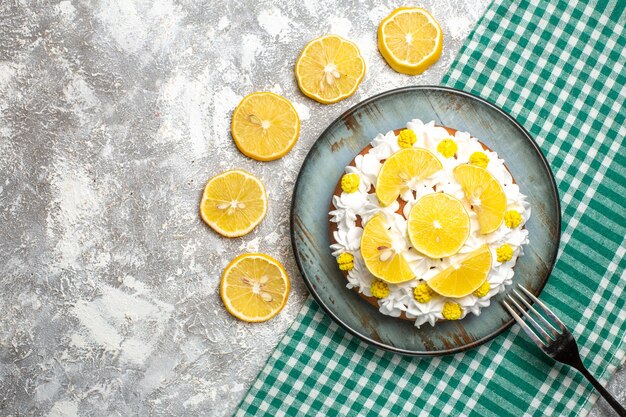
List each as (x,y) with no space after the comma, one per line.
(556,342)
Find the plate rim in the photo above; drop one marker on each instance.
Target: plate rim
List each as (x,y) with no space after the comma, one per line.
(338,320)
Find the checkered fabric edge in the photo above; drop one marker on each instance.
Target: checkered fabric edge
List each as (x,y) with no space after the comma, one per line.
(558,68)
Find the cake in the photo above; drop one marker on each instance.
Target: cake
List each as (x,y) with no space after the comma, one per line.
(427,223)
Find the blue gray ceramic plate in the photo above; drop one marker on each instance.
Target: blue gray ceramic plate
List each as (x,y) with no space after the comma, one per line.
(344,139)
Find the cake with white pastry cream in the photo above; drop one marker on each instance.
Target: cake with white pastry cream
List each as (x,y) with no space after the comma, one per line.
(427,223)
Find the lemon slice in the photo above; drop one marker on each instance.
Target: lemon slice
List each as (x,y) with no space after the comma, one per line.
(329,69)
(379,255)
(459,281)
(402,168)
(438,225)
(233,203)
(254,287)
(484,193)
(410,40)
(265,126)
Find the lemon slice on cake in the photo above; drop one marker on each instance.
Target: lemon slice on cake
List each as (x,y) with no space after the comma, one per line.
(379,254)
(329,69)
(400,169)
(484,193)
(410,40)
(463,279)
(438,225)
(265,126)
(233,203)
(254,287)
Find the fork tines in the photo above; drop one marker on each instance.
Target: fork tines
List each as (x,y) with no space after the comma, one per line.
(552,337)
(544,330)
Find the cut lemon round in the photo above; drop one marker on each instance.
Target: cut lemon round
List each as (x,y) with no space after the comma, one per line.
(379,255)
(329,69)
(438,225)
(233,203)
(254,287)
(403,168)
(484,193)
(265,126)
(459,281)
(410,40)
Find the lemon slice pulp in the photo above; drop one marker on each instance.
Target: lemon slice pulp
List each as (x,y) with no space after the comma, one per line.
(484,193)
(254,287)
(462,280)
(265,126)
(404,166)
(233,203)
(410,40)
(329,69)
(379,254)
(438,225)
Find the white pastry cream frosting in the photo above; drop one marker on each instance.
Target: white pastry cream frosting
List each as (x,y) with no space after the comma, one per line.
(352,210)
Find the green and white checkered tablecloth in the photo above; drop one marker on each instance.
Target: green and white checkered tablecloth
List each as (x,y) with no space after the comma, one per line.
(558,68)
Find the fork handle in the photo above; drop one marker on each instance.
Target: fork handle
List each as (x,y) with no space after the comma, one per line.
(621,411)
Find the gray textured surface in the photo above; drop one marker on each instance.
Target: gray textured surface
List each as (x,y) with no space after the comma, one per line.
(113,114)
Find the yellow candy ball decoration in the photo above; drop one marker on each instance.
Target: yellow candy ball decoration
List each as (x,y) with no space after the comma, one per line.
(504,253)
(512,219)
(483,290)
(423,293)
(451,311)
(345,261)
(479,159)
(406,138)
(447,148)
(379,289)
(350,183)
